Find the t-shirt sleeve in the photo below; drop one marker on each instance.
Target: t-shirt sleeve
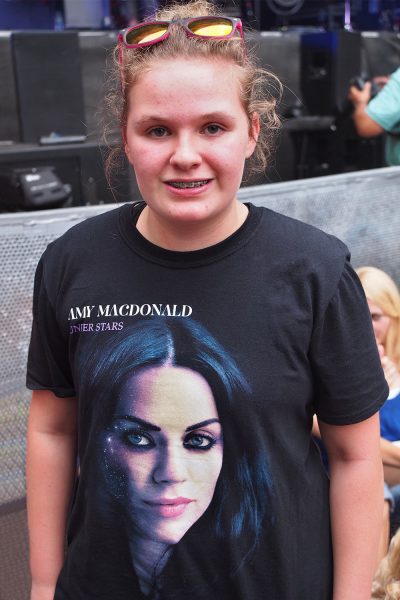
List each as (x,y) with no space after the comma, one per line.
(349,380)
(48,362)
(385,107)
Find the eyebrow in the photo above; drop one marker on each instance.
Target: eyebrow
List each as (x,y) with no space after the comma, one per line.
(214,116)
(202,424)
(152,427)
(138,421)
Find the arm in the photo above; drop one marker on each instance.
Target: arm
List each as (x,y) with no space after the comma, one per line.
(356,500)
(51,471)
(365,126)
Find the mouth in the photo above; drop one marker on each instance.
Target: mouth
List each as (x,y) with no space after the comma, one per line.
(169,501)
(169,508)
(181,185)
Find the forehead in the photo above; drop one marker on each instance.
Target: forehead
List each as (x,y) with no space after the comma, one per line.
(177,84)
(168,396)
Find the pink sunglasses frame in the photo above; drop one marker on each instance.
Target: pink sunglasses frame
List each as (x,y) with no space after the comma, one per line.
(236,26)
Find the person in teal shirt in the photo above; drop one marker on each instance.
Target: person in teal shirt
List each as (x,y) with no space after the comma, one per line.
(381,114)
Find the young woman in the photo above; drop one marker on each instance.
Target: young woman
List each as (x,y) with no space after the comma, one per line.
(281,299)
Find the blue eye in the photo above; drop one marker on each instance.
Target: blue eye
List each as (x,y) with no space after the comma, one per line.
(138,440)
(199,441)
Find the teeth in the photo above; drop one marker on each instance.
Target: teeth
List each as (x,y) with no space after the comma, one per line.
(188,184)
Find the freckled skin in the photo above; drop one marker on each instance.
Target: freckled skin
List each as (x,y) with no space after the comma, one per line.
(186,123)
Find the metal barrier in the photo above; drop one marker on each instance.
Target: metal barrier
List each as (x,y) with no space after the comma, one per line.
(361,208)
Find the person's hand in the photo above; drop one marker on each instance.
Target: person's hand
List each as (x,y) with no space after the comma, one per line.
(360,97)
(40,591)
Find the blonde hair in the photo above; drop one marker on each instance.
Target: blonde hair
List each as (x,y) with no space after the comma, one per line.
(259,88)
(382,290)
(386,584)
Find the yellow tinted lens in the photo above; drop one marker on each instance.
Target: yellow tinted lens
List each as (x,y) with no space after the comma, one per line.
(146,33)
(211,27)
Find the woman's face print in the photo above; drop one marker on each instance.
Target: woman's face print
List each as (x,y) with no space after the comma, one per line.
(164,451)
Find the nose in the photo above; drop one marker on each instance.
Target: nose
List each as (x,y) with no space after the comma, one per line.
(185,153)
(170,466)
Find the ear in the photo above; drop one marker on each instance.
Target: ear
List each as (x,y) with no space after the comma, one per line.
(254,132)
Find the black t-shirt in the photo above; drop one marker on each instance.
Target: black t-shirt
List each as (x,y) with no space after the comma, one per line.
(198,374)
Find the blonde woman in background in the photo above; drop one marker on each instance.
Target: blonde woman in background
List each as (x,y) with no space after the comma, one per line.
(383,299)
(384,303)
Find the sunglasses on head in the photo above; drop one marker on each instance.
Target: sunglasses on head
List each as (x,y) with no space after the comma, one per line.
(153,32)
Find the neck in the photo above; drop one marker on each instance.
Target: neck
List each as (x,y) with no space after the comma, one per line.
(189,236)
(149,559)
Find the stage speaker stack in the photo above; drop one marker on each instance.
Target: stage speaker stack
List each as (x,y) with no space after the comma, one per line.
(48,84)
(96,54)
(328,62)
(381,52)
(9,125)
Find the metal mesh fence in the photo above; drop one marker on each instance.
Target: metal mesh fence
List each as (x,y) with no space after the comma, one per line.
(23,238)
(360,208)
(14,573)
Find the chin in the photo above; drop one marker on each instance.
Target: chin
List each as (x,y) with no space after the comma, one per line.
(171,535)
(195,212)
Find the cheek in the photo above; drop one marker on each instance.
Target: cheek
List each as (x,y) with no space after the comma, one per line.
(205,470)
(375,326)
(145,158)
(123,468)
(385,327)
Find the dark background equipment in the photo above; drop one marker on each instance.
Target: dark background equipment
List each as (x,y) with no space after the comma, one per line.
(53,82)
(77,168)
(48,78)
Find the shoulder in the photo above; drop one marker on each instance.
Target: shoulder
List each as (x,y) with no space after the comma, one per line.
(92,242)
(86,237)
(296,238)
(302,257)
(395,76)
(90,227)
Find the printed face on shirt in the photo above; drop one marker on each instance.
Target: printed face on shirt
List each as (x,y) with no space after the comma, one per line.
(380,322)
(187,138)
(166,446)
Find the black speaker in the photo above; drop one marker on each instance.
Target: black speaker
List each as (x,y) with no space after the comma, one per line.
(328,61)
(96,52)
(9,125)
(78,166)
(279,52)
(381,52)
(48,82)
